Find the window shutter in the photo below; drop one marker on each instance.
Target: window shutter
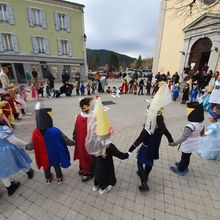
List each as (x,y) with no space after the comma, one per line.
(34,45)
(68,23)
(44,20)
(69,48)
(47,46)
(1,44)
(15,45)
(59,48)
(30,17)
(1,15)
(57,22)
(10,14)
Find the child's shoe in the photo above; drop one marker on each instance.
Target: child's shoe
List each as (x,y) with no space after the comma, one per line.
(175,170)
(107,189)
(86,178)
(48,181)
(30,173)
(144,187)
(13,187)
(59,180)
(185,171)
(95,188)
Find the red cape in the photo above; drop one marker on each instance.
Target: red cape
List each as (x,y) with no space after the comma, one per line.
(80,153)
(40,150)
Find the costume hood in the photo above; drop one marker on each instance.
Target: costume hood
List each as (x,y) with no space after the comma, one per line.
(43,117)
(195,112)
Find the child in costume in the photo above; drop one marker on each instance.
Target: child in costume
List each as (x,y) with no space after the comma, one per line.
(82,89)
(80,131)
(47,92)
(141,87)
(34,90)
(176,90)
(23,93)
(50,145)
(135,86)
(209,147)
(190,138)
(88,87)
(185,93)
(148,87)
(124,87)
(194,92)
(7,111)
(98,144)
(108,90)
(13,157)
(151,135)
(155,87)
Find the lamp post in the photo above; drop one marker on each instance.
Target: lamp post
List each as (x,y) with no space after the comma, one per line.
(84,54)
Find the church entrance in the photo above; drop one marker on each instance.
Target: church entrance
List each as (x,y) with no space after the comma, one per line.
(199,54)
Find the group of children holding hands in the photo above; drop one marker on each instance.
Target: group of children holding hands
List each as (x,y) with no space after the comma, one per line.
(93,146)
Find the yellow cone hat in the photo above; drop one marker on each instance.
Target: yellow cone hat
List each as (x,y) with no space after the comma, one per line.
(103,124)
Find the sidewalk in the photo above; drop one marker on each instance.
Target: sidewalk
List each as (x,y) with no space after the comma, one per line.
(195,196)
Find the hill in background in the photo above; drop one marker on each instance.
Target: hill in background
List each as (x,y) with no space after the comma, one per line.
(96,58)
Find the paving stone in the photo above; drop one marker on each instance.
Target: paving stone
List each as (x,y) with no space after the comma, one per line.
(194,196)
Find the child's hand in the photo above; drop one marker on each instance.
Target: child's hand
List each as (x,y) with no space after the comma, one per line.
(172,144)
(129,155)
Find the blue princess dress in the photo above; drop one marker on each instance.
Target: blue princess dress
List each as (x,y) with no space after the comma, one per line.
(209,146)
(13,157)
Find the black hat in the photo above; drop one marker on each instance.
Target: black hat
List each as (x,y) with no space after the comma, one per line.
(43,118)
(195,112)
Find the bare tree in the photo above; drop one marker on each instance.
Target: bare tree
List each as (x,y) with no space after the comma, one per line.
(185,8)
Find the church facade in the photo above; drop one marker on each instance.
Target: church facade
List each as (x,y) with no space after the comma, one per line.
(188,40)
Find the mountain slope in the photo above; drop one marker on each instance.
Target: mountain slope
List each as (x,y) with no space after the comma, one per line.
(101,57)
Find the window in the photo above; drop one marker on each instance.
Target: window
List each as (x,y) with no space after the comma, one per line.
(64,44)
(6,14)
(62,21)
(37,17)
(40,45)
(64,47)
(3,12)
(7,42)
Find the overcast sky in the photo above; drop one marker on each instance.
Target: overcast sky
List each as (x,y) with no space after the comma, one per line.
(124,26)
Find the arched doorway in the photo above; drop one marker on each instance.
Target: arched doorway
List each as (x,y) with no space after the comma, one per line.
(199,54)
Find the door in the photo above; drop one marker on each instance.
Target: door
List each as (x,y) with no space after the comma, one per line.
(19,69)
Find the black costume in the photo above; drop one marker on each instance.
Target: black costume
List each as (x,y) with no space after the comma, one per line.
(104,167)
(148,152)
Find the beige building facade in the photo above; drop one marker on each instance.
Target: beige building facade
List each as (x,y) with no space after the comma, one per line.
(191,39)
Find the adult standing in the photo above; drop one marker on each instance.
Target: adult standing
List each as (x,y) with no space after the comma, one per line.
(175,78)
(51,79)
(4,76)
(34,74)
(158,76)
(65,76)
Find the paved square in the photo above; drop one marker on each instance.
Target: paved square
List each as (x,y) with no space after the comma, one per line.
(195,196)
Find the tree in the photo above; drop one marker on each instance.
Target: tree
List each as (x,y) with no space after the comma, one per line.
(147,63)
(113,62)
(138,63)
(97,61)
(186,7)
